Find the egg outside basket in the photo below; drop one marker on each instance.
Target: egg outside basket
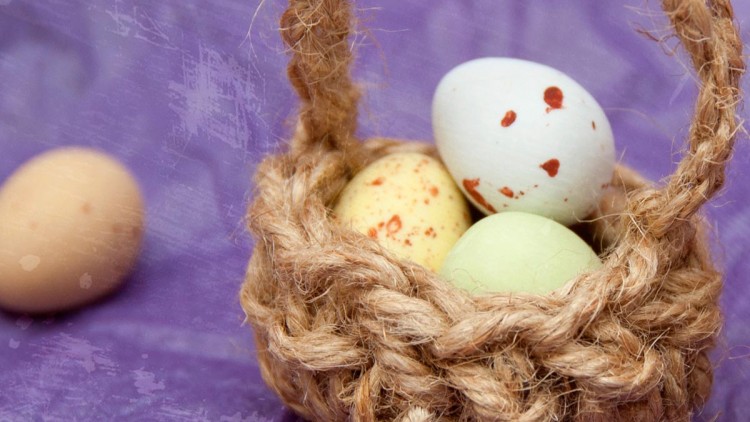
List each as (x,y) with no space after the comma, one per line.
(347,331)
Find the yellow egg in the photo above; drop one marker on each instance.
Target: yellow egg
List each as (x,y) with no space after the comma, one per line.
(409,204)
(71,222)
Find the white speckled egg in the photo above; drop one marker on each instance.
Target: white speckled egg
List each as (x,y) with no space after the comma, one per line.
(71,223)
(521,136)
(409,204)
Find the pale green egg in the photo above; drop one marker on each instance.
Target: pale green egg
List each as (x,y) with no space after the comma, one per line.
(517,252)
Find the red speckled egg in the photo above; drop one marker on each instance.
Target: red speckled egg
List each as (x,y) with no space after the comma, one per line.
(409,204)
(521,136)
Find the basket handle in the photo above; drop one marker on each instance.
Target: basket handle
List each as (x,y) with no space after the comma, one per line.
(712,41)
(317,33)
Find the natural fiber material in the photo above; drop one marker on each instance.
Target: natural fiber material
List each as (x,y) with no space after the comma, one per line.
(346,331)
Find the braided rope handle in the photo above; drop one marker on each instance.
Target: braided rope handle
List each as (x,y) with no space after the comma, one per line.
(317,33)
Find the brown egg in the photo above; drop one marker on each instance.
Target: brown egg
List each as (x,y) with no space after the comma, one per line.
(71,223)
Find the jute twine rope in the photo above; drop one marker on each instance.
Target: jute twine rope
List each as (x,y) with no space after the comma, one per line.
(346,331)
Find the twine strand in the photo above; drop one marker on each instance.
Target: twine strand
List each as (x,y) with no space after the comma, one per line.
(713,43)
(317,34)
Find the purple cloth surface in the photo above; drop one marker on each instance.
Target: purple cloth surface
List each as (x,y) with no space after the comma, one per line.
(191,94)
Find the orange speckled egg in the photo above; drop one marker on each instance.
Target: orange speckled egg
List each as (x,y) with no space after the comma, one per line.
(409,203)
(71,223)
(521,136)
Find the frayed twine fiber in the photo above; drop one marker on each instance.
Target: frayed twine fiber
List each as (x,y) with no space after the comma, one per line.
(346,331)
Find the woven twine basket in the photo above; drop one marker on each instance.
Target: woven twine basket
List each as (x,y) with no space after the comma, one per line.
(347,331)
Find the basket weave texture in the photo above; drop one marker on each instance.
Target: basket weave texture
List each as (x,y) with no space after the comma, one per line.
(347,331)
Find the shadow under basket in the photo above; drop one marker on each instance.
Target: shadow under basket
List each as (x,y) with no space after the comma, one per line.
(345,330)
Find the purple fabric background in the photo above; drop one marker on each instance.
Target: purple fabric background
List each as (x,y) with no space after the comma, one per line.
(191,94)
